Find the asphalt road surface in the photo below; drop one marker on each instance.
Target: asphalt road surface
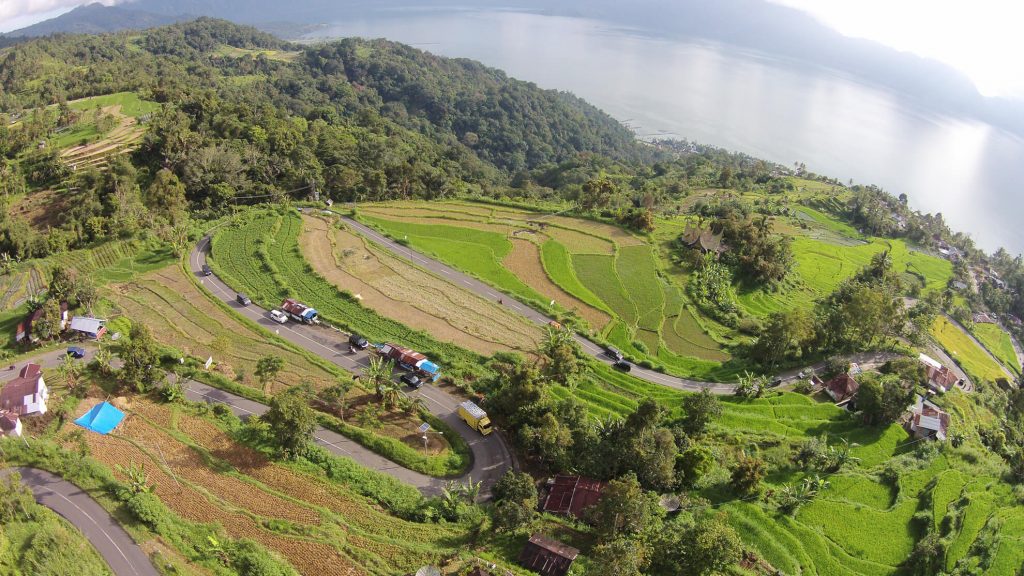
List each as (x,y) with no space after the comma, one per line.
(117,548)
(491,456)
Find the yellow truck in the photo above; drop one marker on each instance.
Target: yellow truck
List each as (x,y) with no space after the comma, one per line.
(475,417)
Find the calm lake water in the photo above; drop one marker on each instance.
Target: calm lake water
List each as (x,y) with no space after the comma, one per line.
(744,101)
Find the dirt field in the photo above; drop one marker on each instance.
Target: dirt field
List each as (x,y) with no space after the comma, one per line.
(336,526)
(524,262)
(180,316)
(416,298)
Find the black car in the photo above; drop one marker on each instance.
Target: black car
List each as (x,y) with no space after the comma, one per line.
(613,353)
(358,342)
(76,352)
(243,299)
(412,380)
(622,365)
(206,270)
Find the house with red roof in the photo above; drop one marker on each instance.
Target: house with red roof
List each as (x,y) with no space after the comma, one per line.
(547,557)
(27,394)
(940,378)
(571,495)
(842,388)
(928,421)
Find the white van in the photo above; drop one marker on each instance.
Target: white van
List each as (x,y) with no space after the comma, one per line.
(278,316)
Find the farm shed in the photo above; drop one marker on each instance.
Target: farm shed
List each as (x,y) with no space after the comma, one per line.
(26,394)
(91,327)
(547,557)
(703,239)
(572,495)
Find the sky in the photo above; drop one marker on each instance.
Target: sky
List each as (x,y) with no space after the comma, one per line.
(980,38)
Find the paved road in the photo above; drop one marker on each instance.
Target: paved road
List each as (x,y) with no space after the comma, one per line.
(469,283)
(491,456)
(117,548)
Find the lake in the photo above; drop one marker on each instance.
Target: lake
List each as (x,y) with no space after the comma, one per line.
(744,101)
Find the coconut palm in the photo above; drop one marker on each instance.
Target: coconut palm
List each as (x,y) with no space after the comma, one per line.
(70,370)
(389,394)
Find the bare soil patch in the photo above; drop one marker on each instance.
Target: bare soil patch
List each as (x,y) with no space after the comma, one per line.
(418,299)
(524,261)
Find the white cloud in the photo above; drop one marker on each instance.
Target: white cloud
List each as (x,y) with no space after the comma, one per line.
(16,14)
(980,38)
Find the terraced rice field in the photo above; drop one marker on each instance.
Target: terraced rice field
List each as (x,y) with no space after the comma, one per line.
(179,315)
(399,290)
(821,266)
(608,275)
(973,359)
(316,525)
(998,343)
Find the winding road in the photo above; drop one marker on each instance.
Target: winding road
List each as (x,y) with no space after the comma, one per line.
(480,288)
(491,456)
(117,548)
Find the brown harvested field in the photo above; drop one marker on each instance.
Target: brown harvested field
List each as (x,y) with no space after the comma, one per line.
(524,261)
(179,315)
(439,221)
(580,243)
(418,299)
(40,209)
(258,489)
(355,512)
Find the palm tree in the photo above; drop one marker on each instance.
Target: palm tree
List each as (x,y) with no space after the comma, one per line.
(378,372)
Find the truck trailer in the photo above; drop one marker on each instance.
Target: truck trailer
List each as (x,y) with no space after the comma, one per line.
(300,312)
(411,360)
(475,417)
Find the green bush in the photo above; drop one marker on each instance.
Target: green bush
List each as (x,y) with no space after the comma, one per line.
(148,509)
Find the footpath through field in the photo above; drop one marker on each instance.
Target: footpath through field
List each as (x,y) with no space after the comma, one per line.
(117,548)
(490,455)
(469,283)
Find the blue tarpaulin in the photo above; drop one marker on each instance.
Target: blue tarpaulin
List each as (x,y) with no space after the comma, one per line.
(103,418)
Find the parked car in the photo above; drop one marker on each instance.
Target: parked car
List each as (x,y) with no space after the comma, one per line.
(776,382)
(76,352)
(801,374)
(243,299)
(206,270)
(613,353)
(622,365)
(412,380)
(278,316)
(358,342)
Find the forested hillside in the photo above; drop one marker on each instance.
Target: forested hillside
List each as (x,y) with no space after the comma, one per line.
(241,114)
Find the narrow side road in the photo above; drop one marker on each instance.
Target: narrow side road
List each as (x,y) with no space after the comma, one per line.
(117,548)
(491,456)
(472,284)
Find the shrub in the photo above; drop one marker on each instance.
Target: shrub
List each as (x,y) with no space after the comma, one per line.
(148,509)
(249,559)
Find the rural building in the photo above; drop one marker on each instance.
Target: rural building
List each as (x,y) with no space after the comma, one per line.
(842,388)
(703,239)
(547,557)
(928,421)
(940,378)
(91,327)
(572,495)
(10,424)
(26,394)
(24,332)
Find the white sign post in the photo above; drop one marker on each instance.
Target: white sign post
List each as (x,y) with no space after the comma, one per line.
(209,362)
